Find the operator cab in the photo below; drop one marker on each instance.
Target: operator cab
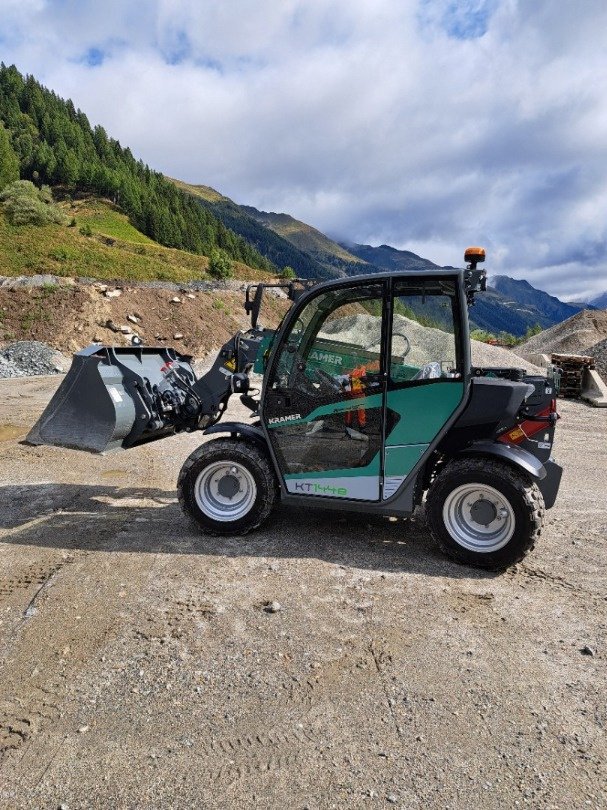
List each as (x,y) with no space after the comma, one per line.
(356,367)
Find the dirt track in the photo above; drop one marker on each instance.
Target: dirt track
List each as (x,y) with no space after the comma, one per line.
(138,668)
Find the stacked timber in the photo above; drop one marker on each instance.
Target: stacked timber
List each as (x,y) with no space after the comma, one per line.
(572,368)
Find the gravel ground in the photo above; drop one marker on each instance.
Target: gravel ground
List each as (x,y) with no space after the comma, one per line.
(139,668)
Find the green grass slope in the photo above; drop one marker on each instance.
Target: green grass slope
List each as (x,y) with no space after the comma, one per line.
(114,249)
(202,192)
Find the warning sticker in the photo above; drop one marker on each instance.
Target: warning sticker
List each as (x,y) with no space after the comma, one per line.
(114,393)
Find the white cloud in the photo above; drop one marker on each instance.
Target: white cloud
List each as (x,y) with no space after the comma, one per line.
(427,125)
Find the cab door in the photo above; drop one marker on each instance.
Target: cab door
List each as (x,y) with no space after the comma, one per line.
(323,404)
(426,377)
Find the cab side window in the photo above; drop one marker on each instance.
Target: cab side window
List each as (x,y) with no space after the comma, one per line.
(424,333)
(335,344)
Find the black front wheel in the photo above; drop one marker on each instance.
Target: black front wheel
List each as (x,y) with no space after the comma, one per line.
(227,486)
(485,513)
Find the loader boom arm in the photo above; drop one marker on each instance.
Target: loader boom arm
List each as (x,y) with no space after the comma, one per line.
(116,398)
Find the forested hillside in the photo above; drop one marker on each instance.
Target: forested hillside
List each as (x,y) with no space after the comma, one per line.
(333,257)
(52,142)
(277,249)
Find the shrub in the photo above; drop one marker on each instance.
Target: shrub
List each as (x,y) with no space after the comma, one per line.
(288,273)
(220,264)
(86,230)
(24,204)
(20,188)
(533,330)
(61,254)
(482,335)
(46,195)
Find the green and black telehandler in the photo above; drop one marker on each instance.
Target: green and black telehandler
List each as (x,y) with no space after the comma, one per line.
(369,403)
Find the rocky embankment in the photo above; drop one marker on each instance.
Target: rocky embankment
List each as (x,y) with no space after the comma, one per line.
(45,319)
(68,314)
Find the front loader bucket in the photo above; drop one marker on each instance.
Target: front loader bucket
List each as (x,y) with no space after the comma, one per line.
(107,399)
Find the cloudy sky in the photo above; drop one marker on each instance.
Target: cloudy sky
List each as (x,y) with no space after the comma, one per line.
(425,124)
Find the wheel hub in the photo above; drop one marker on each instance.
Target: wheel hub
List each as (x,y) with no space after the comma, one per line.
(483,511)
(228,486)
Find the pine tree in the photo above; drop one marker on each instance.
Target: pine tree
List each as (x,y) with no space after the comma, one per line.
(9,161)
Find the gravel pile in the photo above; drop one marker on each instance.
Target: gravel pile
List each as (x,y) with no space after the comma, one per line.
(599,352)
(426,343)
(28,358)
(572,336)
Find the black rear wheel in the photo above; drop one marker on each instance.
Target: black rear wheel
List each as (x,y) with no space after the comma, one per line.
(227,486)
(485,513)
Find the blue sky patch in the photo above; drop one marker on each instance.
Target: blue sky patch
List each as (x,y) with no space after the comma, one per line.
(93,57)
(460,19)
(178,49)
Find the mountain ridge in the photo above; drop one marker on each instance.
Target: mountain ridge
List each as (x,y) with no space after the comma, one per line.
(51,141)
(508,305)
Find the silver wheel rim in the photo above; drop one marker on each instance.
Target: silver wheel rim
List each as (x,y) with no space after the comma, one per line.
(225,491)
(479,518)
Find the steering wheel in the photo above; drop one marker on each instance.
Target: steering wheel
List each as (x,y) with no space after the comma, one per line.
(399,334)
(325,380)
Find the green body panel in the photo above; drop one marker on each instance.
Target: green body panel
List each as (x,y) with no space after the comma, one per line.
(401,460)
(335,357)
(423,411)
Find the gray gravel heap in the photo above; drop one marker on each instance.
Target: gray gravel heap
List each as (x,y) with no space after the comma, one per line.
(27,358)
(599,352)
(425,343)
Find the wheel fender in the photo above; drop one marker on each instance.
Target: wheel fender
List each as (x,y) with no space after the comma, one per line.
(508,452)
(235,429)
